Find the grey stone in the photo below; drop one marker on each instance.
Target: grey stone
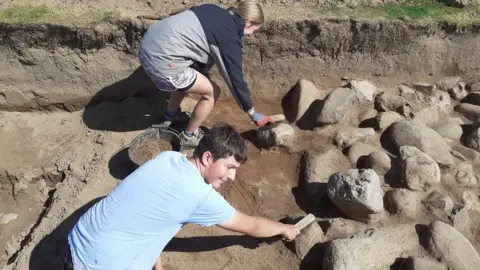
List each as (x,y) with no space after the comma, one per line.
(420,172)
(380,162)
(424,88)
(340,228)
(453,86)
(468,153)
(357,193)
(280,134)
(347,136)
(302,96)
(473,86)
(385,102)
(472,139)
(367,114)
(336,106)
(464,175)
(318,165)
(416,133)
(364,90)
(470,111)
(450,130)
(358,150)
(403,202)
(386,119)
(372,248)
(310,236)
(6,218)
(449,245)
(439,206)
(414,263)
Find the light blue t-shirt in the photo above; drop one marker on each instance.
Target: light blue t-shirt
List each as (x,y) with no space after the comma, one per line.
(130,227)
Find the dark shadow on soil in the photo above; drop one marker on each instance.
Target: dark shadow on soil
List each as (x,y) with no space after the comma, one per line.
(133,103)
(120,165)
(50,251)
(209,243)
(314,258)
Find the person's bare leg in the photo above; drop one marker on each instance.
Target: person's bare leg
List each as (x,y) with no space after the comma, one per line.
(175,100)
(210,92)
(158,264)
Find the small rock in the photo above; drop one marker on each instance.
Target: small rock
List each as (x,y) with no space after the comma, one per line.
(472,139)
(458,155)
(467,221)
(424,88)
(439,205)
(317,167)
(364,90)
(367,115)
(372,248)
(347,136)
(380,162)
(385,102)
(311,235)
(416,133)
(472,98)
(420,171)
(386,119)
(468,153)
(359,150)
(302,96)
(473,86)
(357,193)
(470,200)
(450,130)
(408,93)
(5,219)
(336,106)
(403,202)
(464,175)
(449,245)
(414,263)
(453,86)
(340,228)
(440,100)
(439,105)
(281,134)
(19,187)
(470,111)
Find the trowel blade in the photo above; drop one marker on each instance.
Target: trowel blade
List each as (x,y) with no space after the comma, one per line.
(305,222)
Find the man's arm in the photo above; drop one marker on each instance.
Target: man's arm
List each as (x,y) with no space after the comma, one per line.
(258,226)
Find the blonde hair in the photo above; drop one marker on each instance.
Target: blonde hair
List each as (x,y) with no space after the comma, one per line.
(249,10)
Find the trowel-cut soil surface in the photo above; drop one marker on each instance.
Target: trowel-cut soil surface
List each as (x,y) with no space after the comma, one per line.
(263,186)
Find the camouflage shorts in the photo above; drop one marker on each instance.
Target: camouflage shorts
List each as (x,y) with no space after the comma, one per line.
(179,82)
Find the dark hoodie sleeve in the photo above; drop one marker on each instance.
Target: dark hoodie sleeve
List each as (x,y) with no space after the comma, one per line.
(228,57)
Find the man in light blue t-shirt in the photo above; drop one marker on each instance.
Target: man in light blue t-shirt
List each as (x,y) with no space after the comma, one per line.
(129,228)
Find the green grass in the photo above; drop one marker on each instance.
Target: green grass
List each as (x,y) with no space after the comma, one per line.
(412,10)
(24,11)
(60,14)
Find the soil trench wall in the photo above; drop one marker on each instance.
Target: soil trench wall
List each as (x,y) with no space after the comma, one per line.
(58,67)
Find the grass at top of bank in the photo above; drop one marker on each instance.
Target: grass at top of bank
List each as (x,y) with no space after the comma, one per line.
(424,11)
(56,14)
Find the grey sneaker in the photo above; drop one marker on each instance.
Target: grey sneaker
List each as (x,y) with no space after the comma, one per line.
(191,141)
(181,118)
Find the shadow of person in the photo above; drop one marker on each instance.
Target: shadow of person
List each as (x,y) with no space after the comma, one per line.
(50,251)
(133,103)
(210,243)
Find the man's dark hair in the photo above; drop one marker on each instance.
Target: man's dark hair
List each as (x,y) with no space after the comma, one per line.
(222,140)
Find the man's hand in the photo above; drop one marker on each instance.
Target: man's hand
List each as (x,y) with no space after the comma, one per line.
(261,119)
(290,232)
